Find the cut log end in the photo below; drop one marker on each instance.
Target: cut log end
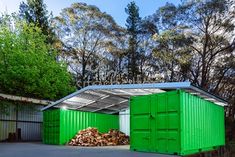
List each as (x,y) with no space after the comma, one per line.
(91,137)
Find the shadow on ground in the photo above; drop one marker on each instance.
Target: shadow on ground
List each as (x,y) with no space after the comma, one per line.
(41,150)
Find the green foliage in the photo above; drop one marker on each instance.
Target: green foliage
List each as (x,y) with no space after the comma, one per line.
(27,64)
(133,19)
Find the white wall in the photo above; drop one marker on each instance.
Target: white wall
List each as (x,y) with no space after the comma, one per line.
(124,121)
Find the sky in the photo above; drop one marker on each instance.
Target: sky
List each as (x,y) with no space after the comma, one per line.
(115,8)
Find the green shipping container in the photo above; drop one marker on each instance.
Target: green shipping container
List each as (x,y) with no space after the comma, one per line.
(59,125)
(175,122)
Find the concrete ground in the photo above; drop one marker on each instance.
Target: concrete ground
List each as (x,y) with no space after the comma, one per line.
(41,150)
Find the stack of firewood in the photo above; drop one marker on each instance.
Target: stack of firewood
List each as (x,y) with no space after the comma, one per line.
(92,137)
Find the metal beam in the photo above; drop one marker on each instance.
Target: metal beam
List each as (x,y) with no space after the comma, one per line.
(107,107)
(73,102)
(94,101)
(112,94)
(123,91)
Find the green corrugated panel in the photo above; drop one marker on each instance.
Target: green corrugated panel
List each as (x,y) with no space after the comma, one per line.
(140,123)
(175,122)
(51,126)
(61,125)
(202,125)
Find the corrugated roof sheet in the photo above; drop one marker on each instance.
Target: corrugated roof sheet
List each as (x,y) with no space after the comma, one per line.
(114,98)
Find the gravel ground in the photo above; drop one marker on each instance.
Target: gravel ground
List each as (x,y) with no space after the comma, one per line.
(41,150)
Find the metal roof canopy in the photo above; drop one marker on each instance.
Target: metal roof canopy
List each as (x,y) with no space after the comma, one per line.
(111,99)
(24,99)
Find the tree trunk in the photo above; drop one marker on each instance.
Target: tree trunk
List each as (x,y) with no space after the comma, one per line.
(83,71)
(204,51)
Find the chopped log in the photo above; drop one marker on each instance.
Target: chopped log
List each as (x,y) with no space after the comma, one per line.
(91,137)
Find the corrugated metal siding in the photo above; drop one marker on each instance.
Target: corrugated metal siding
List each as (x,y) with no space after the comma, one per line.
(202,122)
(10,111)
(124,121)
(74,121)
(26,112)
(51,126)
(30,131)
(29,120)
(30,113)
(6,128)
(61,125)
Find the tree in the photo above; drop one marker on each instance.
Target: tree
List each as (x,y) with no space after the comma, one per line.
(35,11)
(27,64)
(211,26)
(146,62)
(195,42)
(85,32)
(213,63)
(133,30)
(172,50)
(114,62)
(173,55)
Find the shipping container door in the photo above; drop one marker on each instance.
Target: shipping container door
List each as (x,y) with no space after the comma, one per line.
(167,133)
(140,123)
